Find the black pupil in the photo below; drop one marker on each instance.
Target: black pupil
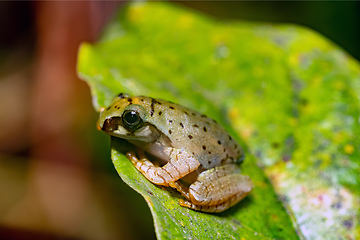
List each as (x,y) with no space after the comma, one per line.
(131,117)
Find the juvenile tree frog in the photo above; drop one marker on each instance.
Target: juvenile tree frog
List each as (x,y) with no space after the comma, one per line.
(193,153)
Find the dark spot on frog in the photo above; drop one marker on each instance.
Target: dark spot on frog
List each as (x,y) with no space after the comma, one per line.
(275,145)
(108,108)
(182,125)
(170,121)
(235,146)
(193,114)
(230,138)
(219,142)
(348,224)
(224,150)
(150,193)
(160,113)
(209,152)
(190,137)
(130,100)
(203,116)
(204,129)
(153,102)
(170,131)
(195,125)
(209,162)
(204,147)
(141,99)
(171,107)
(186,112)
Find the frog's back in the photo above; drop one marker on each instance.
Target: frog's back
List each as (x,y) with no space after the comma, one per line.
(196,133)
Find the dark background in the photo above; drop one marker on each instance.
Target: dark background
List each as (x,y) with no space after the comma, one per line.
(56,177)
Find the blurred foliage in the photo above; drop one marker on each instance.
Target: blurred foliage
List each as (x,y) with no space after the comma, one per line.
(288,93)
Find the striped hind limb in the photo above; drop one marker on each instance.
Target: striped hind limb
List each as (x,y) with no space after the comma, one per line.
(181,163)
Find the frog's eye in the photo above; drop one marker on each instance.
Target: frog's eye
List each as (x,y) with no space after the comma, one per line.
(132,119)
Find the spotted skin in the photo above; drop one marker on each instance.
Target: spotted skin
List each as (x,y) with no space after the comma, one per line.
(196,155)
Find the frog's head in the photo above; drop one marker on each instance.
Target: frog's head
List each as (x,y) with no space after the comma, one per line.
(124,118)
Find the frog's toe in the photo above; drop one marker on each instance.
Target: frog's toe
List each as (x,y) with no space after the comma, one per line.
(204,208)
(132,157)
(187,204)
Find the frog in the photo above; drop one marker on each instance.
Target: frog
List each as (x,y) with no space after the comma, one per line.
(179,148)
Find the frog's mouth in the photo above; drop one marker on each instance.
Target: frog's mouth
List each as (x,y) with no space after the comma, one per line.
(114,127)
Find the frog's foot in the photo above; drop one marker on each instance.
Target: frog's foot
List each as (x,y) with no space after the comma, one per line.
(214,208)
(206,208)
(217,189)
(181,188)
(181,163)
(148,169)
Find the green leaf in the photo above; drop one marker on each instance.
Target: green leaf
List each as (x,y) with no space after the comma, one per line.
(259,215)
(290,96)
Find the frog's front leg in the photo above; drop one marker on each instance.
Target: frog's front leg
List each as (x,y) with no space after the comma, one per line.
(218,189)
(181,163)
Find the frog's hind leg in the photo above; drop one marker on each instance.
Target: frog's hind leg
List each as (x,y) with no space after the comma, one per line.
(218,189)
(181,163)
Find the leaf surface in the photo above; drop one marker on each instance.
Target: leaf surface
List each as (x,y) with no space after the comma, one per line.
(289,95)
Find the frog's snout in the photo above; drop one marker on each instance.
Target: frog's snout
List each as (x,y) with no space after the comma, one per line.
(110,124)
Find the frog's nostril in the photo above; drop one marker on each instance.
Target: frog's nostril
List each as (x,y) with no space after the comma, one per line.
(110,124)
